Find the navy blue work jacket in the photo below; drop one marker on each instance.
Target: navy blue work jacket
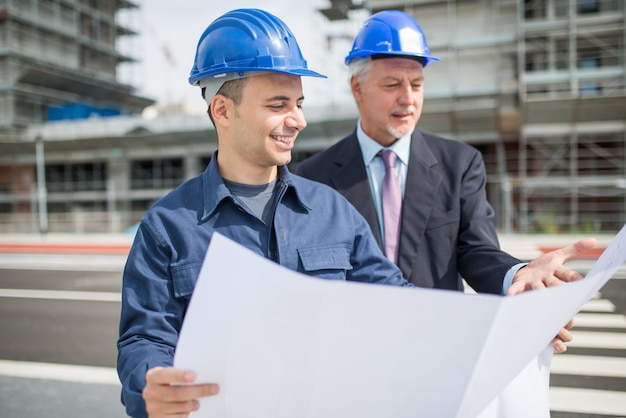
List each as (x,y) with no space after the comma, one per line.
(315,231)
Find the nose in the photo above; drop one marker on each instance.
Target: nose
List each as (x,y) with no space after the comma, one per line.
(296,119)
(406,94)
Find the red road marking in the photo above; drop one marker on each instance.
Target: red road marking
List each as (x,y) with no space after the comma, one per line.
(43,248)
(592,254)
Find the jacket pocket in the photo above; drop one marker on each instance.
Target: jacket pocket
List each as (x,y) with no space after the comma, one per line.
(327,262)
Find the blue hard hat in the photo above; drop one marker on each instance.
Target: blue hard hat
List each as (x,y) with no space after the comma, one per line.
(391,32)
(248,40)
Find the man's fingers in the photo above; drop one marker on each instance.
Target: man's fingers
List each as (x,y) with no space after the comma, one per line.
(167,375)
(549,268)
(567,275)
(516,288)
(159,386)
(559,346)
(585,244)
(559,341)
(172,409)
(168,393)
(563,337)
(575,249)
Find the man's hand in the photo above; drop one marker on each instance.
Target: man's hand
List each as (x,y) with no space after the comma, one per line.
(549,269)
(166,400)
(563,337)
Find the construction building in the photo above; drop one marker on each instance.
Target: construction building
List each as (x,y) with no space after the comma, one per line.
(58,61)
(539,86)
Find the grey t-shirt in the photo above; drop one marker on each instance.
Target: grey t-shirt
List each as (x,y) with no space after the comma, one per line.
(259,199)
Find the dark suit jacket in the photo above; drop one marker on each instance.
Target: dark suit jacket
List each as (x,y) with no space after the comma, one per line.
(447,226)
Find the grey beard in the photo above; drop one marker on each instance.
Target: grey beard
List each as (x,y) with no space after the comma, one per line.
(397,134)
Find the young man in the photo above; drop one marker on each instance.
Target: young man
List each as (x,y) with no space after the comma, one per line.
(255,98)
(445,227)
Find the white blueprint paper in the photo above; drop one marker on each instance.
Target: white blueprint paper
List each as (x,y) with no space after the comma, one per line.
(528,394)
(284,345)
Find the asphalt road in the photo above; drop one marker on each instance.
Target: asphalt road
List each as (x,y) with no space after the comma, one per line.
(53,318)
(59,328)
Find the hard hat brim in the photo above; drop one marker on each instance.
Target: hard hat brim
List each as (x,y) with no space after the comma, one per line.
(241,72)
(391,54)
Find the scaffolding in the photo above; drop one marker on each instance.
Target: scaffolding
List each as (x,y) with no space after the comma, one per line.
(572,165)
(58,61)
(538,86)
(61,56)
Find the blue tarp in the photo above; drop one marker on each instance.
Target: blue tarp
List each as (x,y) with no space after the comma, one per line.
(79,111)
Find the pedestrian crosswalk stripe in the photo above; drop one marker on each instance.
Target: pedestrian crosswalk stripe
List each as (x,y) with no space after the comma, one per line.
(598,305)
(604,330)
(588,401)
(61,295)
(572,364)
(600,320)
(592,339)
(62,372)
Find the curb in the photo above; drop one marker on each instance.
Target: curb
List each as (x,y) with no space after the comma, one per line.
(58,248)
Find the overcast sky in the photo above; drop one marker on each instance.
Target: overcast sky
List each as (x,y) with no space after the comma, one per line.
(170,31)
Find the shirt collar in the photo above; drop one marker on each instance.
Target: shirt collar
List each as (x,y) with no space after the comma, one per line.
(214,189)
(370,148)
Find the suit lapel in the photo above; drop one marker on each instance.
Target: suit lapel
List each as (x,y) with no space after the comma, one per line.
(422,183)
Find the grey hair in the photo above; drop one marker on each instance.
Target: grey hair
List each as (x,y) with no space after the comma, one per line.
(360,68)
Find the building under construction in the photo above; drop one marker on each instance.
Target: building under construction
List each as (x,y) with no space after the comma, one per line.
(59,61)
(539,86)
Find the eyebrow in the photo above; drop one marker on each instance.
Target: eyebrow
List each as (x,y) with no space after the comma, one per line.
(394,78)
(275,98)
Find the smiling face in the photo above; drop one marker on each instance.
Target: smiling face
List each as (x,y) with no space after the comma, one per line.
(390,97)
(258,134)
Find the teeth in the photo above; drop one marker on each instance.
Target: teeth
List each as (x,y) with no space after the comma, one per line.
(284,139)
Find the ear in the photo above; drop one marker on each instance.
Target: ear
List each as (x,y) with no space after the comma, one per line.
(355,86)
(222,110)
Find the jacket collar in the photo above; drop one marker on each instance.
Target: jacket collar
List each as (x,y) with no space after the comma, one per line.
(214,190)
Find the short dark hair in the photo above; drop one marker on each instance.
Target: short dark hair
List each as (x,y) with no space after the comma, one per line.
(232,89)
